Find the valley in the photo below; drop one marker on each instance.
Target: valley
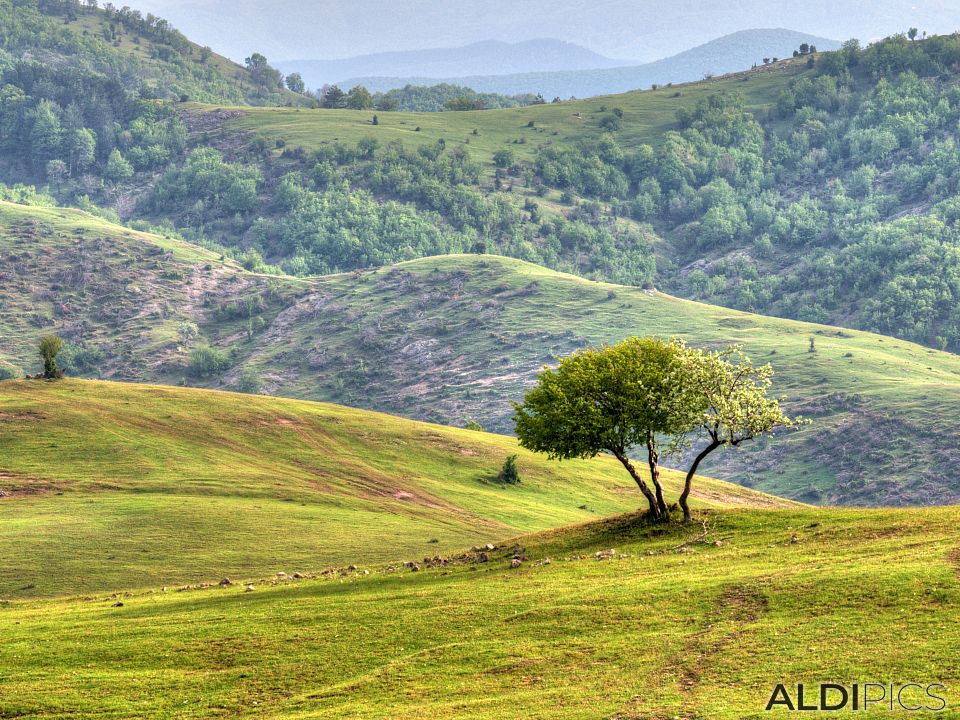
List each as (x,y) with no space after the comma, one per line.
(323,402)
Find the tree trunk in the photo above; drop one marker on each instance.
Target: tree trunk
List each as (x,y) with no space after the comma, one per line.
(689,479)
(641,483)
(653,460)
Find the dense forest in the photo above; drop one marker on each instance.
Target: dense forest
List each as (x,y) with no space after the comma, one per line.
(840,205)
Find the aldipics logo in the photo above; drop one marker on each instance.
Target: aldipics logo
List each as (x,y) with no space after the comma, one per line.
(908,697)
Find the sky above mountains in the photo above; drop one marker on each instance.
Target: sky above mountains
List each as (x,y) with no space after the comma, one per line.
(634,30)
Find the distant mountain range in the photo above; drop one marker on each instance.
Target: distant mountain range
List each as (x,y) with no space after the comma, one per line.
(639,30)
(736,51)
(489,57)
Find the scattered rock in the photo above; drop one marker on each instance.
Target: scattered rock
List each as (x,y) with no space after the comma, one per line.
(298,576)
(352,567)
(117,604)
(483,557)
(414,567)
(515,563)
(491,547)
(476,548)
(281,575)
(605,554)
(225,582)
(248,588)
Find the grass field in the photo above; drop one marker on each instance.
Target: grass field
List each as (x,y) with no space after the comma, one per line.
(455,338)
(804,595)
(123,505)
(111,485)
(646,116)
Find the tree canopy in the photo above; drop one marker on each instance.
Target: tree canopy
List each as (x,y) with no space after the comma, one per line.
(650,393)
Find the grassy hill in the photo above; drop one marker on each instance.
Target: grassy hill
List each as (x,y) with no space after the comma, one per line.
(660,630)
(806,188)
(455,338)
(105,486)
(648,115)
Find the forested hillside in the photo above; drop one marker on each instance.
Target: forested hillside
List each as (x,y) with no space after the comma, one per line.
(823,188)
(88,96)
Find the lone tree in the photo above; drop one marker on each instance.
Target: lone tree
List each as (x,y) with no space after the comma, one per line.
(50,347)
(650,393)
(612,399)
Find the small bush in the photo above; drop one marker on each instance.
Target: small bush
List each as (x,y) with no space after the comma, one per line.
(474,425)
(50,347)
(207,361)
(9,372)
(509,473)
(81,358)
(250,382)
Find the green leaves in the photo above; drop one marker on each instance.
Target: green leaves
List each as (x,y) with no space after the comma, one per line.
(610,398)
(734,393)
(643,391)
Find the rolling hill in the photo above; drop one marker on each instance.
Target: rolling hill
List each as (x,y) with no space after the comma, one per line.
(659,626)
(648,115)
(730,53)
(449,339)
(151,485)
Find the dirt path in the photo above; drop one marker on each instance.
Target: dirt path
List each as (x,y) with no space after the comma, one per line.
(735,610)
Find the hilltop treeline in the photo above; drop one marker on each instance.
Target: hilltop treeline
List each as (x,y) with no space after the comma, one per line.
(838,205)
(420,98)
(352,207)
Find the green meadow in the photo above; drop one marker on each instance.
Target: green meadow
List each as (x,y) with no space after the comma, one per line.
(647,115)
(109,486)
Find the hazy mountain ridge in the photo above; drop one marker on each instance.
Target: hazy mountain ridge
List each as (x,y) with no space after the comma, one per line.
(488,57)
(730,53)
(642,30)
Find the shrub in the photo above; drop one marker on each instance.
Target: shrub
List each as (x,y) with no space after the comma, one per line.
(8,371)
(207,361)
(81,358)
(50,347)
(509,473)
(250,382)
(474,425)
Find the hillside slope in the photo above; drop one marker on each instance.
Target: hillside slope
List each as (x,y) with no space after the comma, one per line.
(140,52)
(454,338)
(703,631)
(110,485)
(820,188)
